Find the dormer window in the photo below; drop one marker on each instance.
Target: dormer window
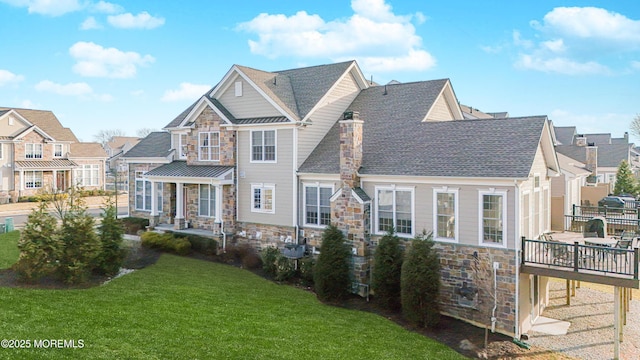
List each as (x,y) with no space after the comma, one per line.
(33,151)
(182,146)
(57,150)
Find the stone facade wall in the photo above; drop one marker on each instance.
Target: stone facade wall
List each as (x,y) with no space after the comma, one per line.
(208,120)
(457,263)
(132,188)
(271,235)
(33,138)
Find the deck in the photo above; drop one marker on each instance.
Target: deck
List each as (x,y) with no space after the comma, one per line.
(568,257)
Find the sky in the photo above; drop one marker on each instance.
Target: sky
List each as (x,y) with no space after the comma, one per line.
(132,65)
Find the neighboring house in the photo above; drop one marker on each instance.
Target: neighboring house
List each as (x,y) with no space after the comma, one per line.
(600,153)
(566,189)
(471,113)
(274,157)
(115,148)
(38,154)
(91,160)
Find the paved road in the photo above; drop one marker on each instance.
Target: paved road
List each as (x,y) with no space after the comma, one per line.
(20,219)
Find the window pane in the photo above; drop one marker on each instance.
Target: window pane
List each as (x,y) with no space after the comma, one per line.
(492,218)
(325,206)
(385,210)
(257,198)
(159,194)
(446,215)
(270,145)
(311,198)
(203,208)
(139,194)
(268,199)
(212,201)
(403,212)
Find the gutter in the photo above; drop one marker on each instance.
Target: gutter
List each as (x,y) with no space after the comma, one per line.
(517,259)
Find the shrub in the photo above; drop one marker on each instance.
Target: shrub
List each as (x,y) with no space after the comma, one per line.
(269,257)
(420,283)
(203,245)
(110,232)
(386,271)
(81,245)
(331,273)
(252,261)
(285,269)
(132,225)
(306,270)
(165,242)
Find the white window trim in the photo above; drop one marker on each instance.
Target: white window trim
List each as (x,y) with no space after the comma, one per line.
(159,197)
(181,145)
(33,151)
(304,202)
(395,188)
(144,195)
(455,192)
(505,238)
(81,180)
(33,177)
(238,88)
(212,189)
(211,147)
(61,150)
(271,187)
(275,140)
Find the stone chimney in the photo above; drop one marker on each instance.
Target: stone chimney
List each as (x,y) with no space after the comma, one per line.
(581,140)
(350,150)
(626,137)
(591,162)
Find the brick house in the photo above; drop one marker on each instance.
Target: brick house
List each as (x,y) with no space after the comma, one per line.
(38,154)
(271,158)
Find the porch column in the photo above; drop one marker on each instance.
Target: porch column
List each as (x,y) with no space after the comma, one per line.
(54,183)
(178,222)
(21,178)
(154,199)
(218,214)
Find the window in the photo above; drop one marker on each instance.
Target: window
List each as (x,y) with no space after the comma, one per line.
(88,175)
(492,213)
(263,145)
(536,181)
(238,88)
(445,214)
(209,146)
(207,201)
(33,151)
(262,198)
(33,179)
(143,192)
(159,188)
(1,151)
(317,204)
(57,150)
(182,147)
(394,209)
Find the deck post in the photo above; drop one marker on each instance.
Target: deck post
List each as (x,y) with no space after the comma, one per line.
(616,323)
(522,254)
(568,292)
(575,256)
(636,260)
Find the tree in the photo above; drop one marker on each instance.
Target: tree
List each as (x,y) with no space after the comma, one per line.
(104,136)
(625,182)
(420,283)
(110,232)
(387,269)
(331,272)
(635,126)
(141,133)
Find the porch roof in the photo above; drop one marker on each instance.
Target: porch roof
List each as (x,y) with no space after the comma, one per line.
(60,164)
(180,170)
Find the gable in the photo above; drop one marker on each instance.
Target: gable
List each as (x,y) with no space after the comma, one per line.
(11,123)
(445,107)
(250,104)
(440,111)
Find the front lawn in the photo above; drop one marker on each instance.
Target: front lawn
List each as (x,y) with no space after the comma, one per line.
(181,308)
(9,249)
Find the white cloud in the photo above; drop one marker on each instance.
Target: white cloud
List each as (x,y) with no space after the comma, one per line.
(7,77)
(106,7)
(593,122)
(82,90)
(186,91)
(96,61)
(520,42)
(560,65)
(635,64)
(555,46)
(137,93)
(47,7)
(90,23)
(373,35)
(28,104)
(141,21)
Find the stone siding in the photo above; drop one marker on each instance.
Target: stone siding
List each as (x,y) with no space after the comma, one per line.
(271,235)
(208,120)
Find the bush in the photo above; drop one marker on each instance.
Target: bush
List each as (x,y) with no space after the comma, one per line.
(165,242)
(420,283)
(252,261)
(203,245)
(81,245)
(285,269)
(132,225)
(306,270)
(269,258)
(386,271)
(331,273)
(110,231)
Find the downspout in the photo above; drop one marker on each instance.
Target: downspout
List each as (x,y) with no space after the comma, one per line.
(295,184)
(495,297)
(517,259)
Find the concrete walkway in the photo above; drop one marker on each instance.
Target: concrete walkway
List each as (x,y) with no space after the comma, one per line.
(92,202)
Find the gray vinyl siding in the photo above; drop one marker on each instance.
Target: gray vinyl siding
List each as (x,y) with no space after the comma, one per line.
(279,173)
(325,116)
(468,209)
(539,167)
(440,110)
(251,104)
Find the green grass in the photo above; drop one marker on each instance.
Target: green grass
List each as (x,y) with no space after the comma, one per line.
(182,308)
(9,249)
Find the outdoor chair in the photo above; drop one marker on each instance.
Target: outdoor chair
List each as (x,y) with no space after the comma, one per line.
(590,235)
(560,253)
(622,244)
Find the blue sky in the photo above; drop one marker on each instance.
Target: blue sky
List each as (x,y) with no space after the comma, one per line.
(137,64)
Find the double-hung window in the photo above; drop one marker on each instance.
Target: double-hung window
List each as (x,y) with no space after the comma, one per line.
(209,146)
(33,151)
(263,145)
(88,175)
(317,206)
(394,209)
(207,201)
(445,214)
(57,150)
(33,179)
(159,196)
(182,146)
(493,218)
(143,192)
(263,196)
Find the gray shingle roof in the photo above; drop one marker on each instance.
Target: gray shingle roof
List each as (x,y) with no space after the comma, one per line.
(48,122)
(397,142)
(564,134)
(181,169)
(262,120)
(156,144)
(609,155)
